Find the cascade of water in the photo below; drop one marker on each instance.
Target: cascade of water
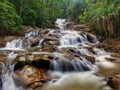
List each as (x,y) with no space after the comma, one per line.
(61,64)
(73,38)
(16,43)
(7,79)
(61,23)
(19,43)
(83,51)
(100,51)
(40,42)
(77,64)
(32,33)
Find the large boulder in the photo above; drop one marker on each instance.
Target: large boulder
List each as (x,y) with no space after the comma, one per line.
(31,76)
(31,68)
(114,81)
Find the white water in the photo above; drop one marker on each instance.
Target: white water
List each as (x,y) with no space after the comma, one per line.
(84,51)
(77,64)
(61,23)
(17,43)
(77,81)
(32,33)
(73,38)
(81,80)
(7,79)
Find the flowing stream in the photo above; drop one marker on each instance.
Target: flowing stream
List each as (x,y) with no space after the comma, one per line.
(75,74)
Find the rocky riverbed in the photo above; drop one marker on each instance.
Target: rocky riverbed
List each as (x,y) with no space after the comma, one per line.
(45,55)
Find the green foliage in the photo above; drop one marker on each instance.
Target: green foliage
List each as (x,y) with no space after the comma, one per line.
(73,8)
(41,13)
(9,19)
(103,16)
(29,17)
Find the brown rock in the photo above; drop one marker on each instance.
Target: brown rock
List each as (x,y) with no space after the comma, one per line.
(90,59)
(33,56)
(111,59)
(36,85)
(116,55)
(81,27)
(2,58)
(114,81)
(32,76)
(48,48)
(68,52)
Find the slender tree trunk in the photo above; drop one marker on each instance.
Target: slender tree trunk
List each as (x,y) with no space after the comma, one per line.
(21,7)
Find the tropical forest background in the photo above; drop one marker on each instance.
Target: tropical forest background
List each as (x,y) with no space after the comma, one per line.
(102,16)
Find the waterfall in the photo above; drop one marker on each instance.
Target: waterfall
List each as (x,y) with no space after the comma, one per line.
(32,33)
(40,42)
(76,73)
(83,51)
(7,78)
(61,23)
(16,43)
(77,64)
(74,38)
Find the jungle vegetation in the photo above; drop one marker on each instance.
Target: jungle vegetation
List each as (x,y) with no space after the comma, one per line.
(103,16)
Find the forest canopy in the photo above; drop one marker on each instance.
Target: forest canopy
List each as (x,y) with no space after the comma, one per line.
(103,16)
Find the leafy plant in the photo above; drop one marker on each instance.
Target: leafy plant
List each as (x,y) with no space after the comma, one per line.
(9,19)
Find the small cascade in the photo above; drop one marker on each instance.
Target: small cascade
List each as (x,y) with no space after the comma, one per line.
(16,43)
(74,38)
(83,51)
(32,33)
(100,52)
(7,79)
(77,64)
(8,83)
(61,23)
(40,42)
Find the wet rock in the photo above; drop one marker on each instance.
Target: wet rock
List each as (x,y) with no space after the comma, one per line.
(90,39)
(90,58)
(81,27)
(2,58)
(51,40)
(112,48)
(78,27)
(112,59)
(114,81)
(32,76)
(70,24)
(30,56)
(36,59)
(31,41)
(68,52)
(21,57)
(48,48)
(34,49)
(116,55)
(49,44)
(90,49)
